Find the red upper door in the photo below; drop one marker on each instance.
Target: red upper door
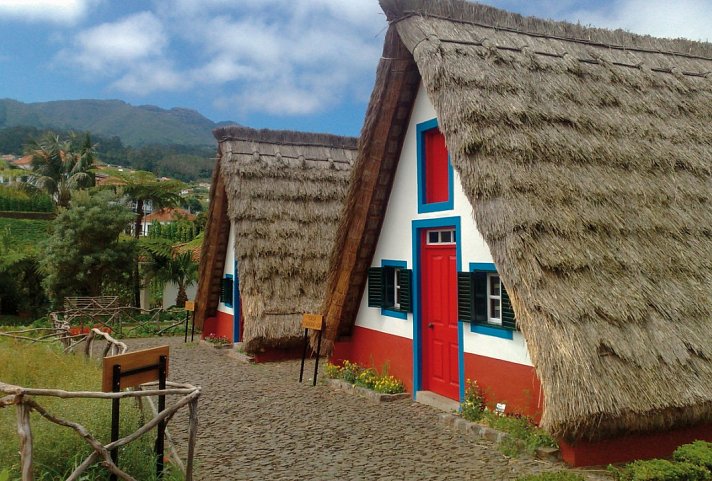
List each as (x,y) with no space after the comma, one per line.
(436,167)
(439,312)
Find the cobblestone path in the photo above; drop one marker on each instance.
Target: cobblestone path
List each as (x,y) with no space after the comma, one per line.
(258,423)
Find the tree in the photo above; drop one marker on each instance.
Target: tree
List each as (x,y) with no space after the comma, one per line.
(84,252)
(142,187)
(169,265)
(61,166)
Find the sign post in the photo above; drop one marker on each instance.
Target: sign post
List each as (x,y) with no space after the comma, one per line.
(314,322)
(130,370)
(189,307)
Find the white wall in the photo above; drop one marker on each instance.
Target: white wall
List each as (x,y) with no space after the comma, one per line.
(395,243)
(229,266)
(170,292)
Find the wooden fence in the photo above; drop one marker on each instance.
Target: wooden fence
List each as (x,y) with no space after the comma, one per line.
(25,401)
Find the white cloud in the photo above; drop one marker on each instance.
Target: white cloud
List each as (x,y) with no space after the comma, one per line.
(144,78)
(116,45)
(57,11)
(309,58)
(659,18)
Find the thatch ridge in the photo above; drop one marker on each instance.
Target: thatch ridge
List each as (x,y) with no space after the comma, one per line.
(285,192)
(491,17)
(283,137)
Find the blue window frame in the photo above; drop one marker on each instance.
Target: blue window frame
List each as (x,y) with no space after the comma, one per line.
(391,288)
(489,329)
(421,129)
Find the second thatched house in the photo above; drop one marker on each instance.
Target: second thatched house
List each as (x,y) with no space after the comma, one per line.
(274,206)
(531,208)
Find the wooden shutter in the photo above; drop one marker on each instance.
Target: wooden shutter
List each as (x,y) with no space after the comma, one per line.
(405,296)
(479,286)
(226,291)
(465,296)
(508,319)
(375,287)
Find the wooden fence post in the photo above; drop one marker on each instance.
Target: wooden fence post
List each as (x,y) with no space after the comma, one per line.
(25,432)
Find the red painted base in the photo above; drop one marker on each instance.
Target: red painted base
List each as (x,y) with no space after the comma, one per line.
(516,385)
(628,448)
(370,348)
(221,326)
(273,355)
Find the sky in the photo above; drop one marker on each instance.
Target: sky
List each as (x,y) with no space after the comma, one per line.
(281,64)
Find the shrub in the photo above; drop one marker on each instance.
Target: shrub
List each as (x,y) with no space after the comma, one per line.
(474,404)
(366,377)
(698,453)
(661,470)
(553,476)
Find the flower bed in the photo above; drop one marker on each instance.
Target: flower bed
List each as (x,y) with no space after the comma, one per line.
(365,381)
(513,433)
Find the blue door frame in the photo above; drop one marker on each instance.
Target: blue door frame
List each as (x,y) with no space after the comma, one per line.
(236,305)
(416,229)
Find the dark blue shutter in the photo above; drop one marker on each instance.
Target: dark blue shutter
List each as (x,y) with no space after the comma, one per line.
(479,285)
(375,287)
(465,296)
(226,291)
(508,320)
(405,297)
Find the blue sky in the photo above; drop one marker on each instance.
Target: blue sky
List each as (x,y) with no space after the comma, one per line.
(281,64)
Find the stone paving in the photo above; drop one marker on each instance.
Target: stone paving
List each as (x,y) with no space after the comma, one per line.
(257,422)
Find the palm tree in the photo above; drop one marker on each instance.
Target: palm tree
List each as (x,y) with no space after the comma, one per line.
(59,167)
(142,187)
(170,265)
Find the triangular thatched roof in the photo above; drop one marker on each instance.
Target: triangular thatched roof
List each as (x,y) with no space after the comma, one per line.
(587,156)
(283,192)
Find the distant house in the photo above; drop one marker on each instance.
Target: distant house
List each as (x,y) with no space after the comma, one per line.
(274,205)
(164,216)
(531,209)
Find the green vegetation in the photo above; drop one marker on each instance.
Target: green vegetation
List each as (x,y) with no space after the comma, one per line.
(84,252)
(16,199)
(61,166)
(523,433)
(180,231)
(20,289)
(369,378)
(58,450)
(553,476)
(699,453)
(661,470)
(136,126)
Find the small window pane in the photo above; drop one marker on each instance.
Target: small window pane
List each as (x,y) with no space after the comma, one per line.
(446,236)
(494,286)
(495,313)
(433,237)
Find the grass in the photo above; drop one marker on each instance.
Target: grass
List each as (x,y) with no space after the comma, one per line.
(58,450)
(24,234)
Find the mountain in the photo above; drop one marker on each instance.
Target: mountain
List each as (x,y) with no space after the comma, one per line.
(136,126)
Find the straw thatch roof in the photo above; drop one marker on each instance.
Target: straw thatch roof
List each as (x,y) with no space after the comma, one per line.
(284,193)
(587,156)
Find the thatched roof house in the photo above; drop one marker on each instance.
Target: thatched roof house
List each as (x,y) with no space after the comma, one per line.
(586,155)
(281,193)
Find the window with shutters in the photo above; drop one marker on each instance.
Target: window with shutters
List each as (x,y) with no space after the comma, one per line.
(483,300)
(226,288)
(389,288)
(435,177)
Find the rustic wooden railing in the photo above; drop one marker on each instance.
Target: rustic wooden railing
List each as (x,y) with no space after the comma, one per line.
(24,400)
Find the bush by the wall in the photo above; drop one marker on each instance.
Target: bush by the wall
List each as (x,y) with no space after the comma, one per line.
(699,453)
(661,470)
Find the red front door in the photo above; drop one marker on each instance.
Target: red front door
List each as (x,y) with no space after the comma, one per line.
(439,313)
